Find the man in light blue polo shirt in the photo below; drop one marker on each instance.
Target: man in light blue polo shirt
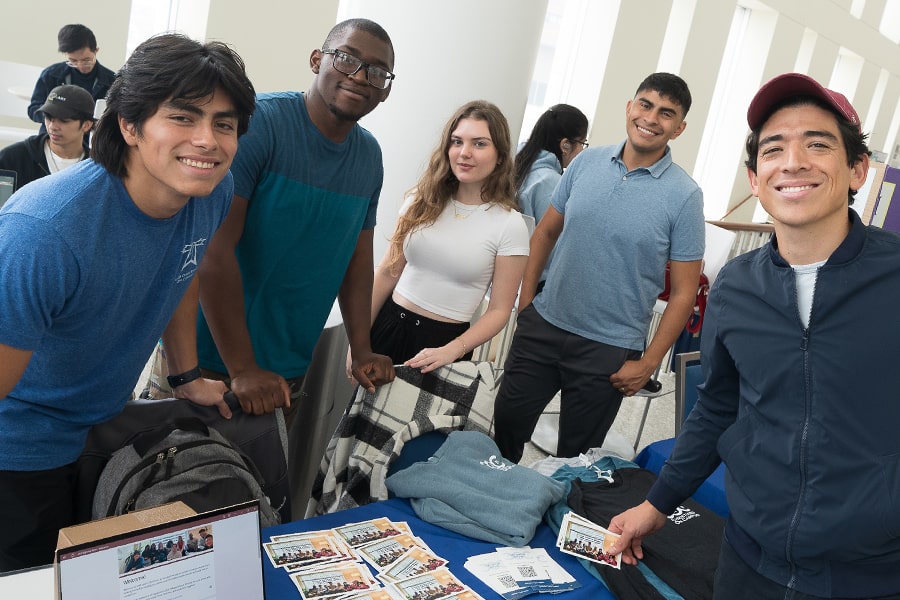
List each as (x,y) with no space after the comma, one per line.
(617,216)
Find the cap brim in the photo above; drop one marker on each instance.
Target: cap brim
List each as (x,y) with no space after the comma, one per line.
(63,113)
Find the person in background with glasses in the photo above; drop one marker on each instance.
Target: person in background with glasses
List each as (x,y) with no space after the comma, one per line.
(618,214)
(299,232)
(558,136)
(80,68)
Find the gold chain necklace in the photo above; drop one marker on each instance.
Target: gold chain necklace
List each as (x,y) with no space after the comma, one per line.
(463,213)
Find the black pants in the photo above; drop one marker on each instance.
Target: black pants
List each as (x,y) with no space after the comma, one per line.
(543,360)
(401,333)
(34,506)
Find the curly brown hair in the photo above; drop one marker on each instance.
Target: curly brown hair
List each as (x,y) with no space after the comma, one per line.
(438,185)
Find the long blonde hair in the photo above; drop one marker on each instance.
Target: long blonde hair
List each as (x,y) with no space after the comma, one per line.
(438,184)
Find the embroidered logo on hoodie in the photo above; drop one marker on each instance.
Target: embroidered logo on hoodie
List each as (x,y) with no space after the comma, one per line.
(494,463)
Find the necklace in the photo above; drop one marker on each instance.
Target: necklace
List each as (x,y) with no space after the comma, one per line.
(463,211)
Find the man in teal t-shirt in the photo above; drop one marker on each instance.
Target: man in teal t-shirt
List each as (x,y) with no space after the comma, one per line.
(300,228)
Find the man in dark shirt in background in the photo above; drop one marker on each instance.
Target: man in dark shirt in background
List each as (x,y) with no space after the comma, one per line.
(80,68)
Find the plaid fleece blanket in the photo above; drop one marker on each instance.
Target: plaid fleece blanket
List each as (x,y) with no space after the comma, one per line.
(374,428)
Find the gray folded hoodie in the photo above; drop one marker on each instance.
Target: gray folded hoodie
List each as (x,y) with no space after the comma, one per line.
(469,488)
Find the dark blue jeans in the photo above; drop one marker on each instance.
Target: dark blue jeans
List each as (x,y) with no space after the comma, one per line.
(735,580)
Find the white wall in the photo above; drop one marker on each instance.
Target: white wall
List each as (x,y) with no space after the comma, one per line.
(274,37)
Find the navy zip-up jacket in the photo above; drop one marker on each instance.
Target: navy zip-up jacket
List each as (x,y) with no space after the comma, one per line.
(97,82)
(806,419)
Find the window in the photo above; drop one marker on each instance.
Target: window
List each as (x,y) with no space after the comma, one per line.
(149,17)
(572,57)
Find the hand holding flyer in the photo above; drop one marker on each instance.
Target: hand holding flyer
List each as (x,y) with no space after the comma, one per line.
(585,539)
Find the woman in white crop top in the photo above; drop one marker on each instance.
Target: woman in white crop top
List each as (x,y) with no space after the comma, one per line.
(458,234)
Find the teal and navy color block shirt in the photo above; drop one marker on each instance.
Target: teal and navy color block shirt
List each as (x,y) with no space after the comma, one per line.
(309,199)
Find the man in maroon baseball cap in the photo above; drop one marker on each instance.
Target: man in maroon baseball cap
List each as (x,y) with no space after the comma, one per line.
(793,85)
(798,336)
(797,94)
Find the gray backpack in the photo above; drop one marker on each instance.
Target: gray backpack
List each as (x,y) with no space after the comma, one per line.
(184,460)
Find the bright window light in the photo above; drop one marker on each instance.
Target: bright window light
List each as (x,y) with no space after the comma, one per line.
(150,17)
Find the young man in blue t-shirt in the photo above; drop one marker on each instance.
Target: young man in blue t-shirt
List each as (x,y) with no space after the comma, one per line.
(97,261)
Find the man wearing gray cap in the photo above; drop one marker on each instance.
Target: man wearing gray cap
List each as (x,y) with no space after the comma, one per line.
(799,352)
(68,117)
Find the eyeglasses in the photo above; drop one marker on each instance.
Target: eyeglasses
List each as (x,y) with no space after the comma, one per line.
(349,64)
(81,61)
(583,143)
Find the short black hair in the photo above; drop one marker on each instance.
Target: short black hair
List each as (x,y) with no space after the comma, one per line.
(370,27)
(73,38)
(168,67)
(853,138)
(671,86)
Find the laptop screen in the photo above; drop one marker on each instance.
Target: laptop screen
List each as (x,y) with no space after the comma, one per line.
(213,555)
(7,185)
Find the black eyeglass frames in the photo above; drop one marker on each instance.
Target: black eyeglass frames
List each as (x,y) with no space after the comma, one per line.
(349,64)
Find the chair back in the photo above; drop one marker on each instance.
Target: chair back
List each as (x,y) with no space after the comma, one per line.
(688,376)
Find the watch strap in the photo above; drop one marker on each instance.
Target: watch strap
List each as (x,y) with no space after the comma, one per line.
(183,378)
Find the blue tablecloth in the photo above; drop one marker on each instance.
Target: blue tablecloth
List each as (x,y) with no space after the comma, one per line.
(711,494)
(452,546)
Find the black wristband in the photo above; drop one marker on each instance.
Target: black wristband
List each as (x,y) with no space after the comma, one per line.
(183,378)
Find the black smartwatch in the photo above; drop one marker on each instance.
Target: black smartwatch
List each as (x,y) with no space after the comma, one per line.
(183,378)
